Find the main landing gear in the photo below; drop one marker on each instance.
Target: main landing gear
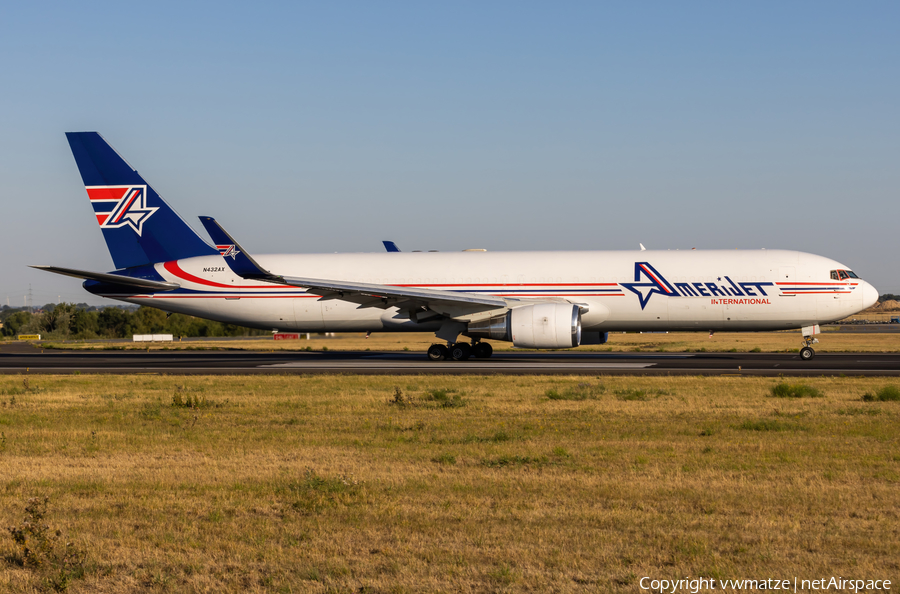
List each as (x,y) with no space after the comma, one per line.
(807,353)
(460,351)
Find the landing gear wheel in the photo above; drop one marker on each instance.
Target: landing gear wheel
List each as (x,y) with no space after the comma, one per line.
(461,351)
(437,352)
(482,350)
(806,353)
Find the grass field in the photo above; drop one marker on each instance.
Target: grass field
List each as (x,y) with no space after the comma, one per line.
(767,342)
(445,484)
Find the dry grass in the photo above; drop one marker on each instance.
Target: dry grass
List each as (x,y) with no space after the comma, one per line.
(340,484)
(767,342)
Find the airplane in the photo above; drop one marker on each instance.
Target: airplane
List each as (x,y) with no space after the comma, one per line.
(536,300)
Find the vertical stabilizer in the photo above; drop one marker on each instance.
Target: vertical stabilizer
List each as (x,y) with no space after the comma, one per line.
(138,225)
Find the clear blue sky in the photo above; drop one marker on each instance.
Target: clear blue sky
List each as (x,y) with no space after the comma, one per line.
(322,127)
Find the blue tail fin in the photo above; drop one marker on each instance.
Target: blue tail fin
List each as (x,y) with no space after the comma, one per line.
(138,225)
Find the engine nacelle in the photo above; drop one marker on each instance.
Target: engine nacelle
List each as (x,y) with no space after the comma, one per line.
(539,326)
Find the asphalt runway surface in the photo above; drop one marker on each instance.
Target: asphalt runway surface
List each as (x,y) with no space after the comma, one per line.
(29,360)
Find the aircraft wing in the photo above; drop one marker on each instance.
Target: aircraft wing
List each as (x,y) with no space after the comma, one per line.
(450,303)
(118,279)
(370,295)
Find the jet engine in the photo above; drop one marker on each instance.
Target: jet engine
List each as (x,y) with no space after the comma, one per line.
(539,326)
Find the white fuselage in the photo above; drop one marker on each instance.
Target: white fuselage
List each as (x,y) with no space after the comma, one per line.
(741,290)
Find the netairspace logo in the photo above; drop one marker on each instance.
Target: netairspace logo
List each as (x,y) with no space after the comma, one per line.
(696,585)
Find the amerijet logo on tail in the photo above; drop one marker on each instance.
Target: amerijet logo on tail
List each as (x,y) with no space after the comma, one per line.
(228,251)
(121,206)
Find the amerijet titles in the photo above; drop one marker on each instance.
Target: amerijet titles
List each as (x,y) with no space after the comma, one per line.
(648,282)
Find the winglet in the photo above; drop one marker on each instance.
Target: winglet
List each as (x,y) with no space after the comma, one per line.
(240,262)
(390,246)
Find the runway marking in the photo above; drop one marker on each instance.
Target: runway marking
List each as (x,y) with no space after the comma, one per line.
(511,357)
(443,369)
(373,365)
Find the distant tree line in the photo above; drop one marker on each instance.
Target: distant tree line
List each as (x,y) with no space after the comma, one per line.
(889,297)
(69,321)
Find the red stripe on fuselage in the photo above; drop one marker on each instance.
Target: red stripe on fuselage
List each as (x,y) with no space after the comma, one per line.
(173,267)
(832,283)
(246,297)
(223,296)
(508,285)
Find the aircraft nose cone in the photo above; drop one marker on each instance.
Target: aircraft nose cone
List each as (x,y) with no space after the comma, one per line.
(869,295)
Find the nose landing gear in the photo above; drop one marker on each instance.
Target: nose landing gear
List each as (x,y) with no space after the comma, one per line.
(809,332)
(807,353)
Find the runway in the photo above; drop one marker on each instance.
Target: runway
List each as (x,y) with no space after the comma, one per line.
(507,363)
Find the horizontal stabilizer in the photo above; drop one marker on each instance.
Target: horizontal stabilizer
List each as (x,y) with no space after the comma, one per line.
(116,279)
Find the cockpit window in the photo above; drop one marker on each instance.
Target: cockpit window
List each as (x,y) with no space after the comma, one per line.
(842,274)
